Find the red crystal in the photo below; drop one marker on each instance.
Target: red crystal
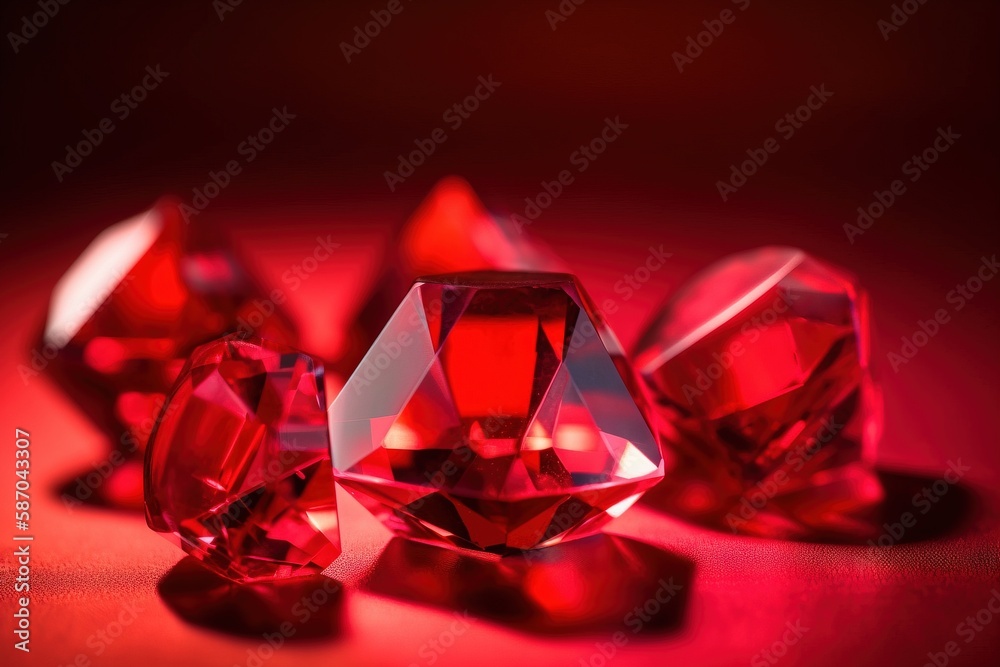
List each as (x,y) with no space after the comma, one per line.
(450,232)
(495,411)
(238,469)
(760,365)
(127,313)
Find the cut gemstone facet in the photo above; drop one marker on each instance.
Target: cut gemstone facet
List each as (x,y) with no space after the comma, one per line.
(760,366)
(238,470)
(495,411)
(450,232)
(127,313)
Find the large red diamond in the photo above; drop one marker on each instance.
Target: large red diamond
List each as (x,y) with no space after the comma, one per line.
(450,232)
(238,469)
(127,313)
(760,368)
(495,411)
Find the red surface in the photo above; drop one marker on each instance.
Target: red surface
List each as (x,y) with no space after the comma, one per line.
(739,592)
(655,185)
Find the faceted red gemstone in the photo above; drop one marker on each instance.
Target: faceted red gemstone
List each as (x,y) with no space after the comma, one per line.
(127,313)
(495,411)
(450,232)
(760,365)
(238,470)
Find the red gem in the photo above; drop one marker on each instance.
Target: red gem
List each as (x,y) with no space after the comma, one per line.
(495,411)
(761,369)
(450,232)
(125,316)
(238,469)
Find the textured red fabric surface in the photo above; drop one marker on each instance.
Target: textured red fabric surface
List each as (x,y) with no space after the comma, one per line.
(397,603)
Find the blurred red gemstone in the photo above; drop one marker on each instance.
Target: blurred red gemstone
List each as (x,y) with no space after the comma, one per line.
(496,412)
(450,232)
(127,313)
(760,365)
(238,470)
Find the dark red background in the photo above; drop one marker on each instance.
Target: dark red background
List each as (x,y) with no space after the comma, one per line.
(655,185)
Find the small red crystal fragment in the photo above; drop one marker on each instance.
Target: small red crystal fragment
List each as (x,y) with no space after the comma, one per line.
(238,470)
